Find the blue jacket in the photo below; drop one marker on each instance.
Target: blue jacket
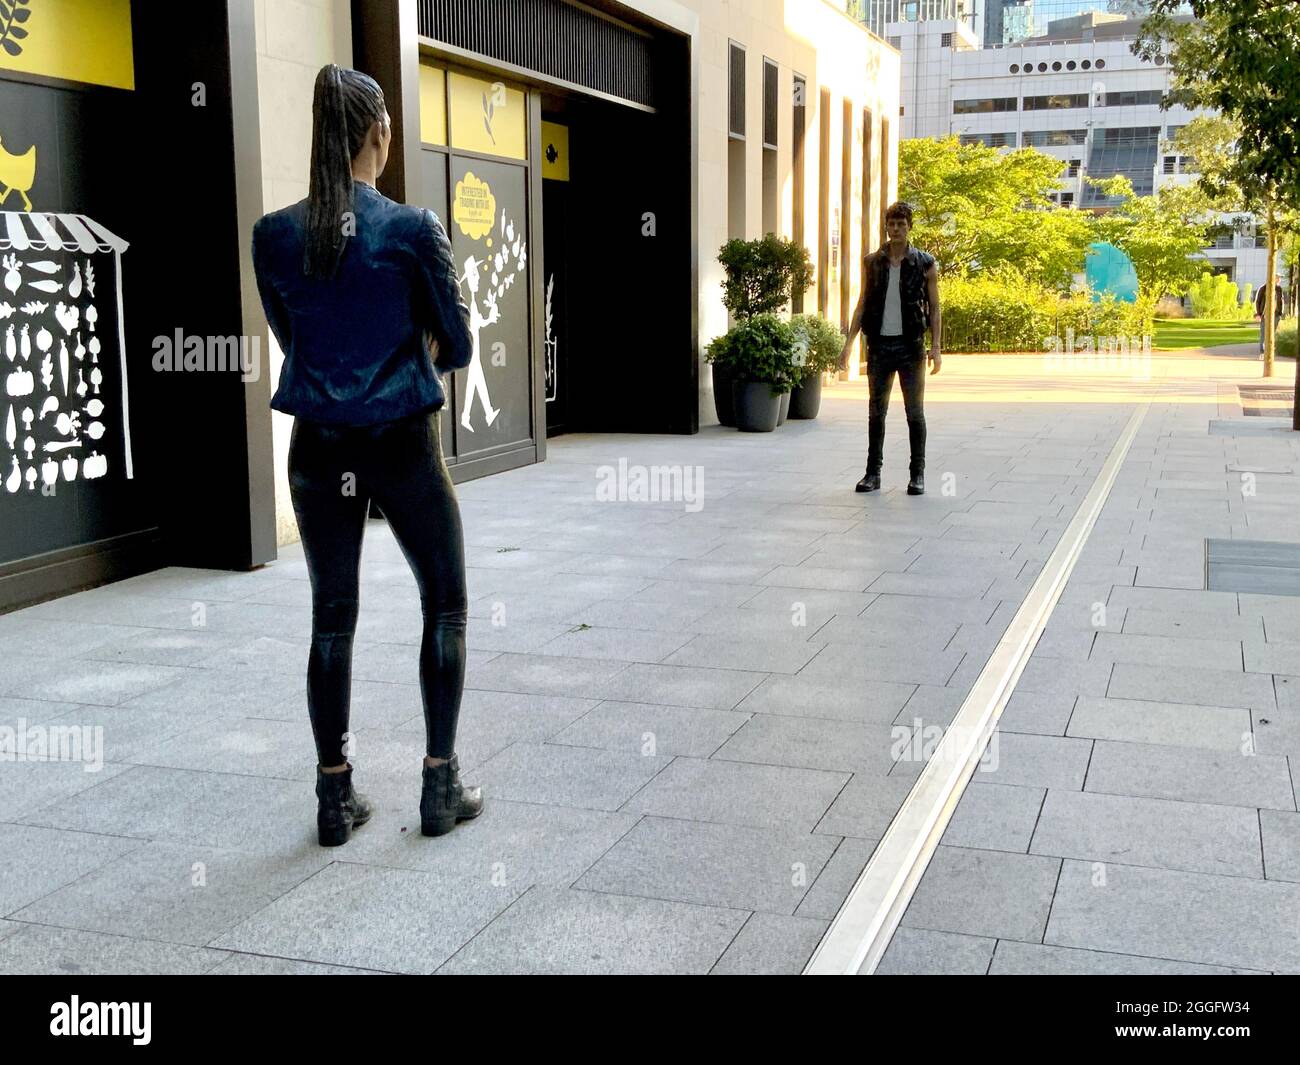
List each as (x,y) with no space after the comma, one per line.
(354,345)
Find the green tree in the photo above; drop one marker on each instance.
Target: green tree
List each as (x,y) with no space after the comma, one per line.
(976,206)
(1241,58)
(1160,233)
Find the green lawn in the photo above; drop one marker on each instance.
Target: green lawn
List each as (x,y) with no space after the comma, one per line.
(1174,333)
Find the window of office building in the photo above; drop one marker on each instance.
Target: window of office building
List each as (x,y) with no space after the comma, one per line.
(1046,138)
(983,106)
(736,141)
(1059,101)
(846,213)
(992,140)
(1131,151)
(1140,98)
(823,200)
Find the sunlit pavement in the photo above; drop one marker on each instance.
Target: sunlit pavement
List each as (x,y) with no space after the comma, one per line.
(693,718)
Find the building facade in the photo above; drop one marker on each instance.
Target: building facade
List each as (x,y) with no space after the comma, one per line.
(1079,95)
(587,158)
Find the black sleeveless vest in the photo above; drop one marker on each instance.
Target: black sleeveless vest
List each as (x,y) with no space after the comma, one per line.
(913,292)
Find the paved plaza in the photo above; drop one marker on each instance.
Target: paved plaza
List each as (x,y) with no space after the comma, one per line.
(693,719)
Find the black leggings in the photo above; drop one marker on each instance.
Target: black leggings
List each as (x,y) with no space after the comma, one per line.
(333,473)
(886,359)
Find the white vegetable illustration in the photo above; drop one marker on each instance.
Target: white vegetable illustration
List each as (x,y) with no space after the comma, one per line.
(47,371)
(46,285)
(95,408)
(29,445)
(31,477)
(15,479)
(49,471)
(92,316)
(11,345)
(34,307)
(44,339)
(11,427)
(70,468)
(45,266)
(27,418)
(12,276)
(51,403)
(6,311)
(94,466)
(82,387)
(90,279)
(67,317)
(26,344)
(74,286)
(20,383)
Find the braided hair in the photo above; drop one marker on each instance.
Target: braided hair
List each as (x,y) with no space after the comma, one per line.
(346,103)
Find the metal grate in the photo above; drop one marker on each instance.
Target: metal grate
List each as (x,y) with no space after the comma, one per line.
(736,90)
(1263,402)
(552,37)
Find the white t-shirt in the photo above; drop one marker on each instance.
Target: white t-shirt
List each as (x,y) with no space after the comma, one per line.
(892,323)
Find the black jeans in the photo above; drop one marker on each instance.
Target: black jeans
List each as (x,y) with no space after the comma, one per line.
(888,356)
(333,473)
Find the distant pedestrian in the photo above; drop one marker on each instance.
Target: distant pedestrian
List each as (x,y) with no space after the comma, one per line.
(1260,297)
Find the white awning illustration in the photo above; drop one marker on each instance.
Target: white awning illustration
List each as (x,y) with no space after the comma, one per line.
(50,231)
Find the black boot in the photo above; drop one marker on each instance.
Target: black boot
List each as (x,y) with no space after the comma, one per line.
(341,809)
(444,800)
(869,483)
(916,485)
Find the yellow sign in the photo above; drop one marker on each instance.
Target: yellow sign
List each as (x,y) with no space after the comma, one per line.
(475,208)
(555,151)
(78,40)
(488,117)
(433,104)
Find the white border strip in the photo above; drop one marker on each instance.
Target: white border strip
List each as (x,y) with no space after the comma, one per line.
(858,936)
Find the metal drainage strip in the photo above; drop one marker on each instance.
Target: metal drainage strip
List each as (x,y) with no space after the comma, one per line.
(860,933)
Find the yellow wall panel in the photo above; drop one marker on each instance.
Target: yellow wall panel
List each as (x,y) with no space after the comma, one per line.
(433,104)
(79,40)
(487,116)
(555,151)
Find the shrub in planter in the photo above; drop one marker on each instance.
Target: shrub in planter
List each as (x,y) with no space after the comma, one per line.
(762,275)
(1285,344)
(759,353)
(817,349)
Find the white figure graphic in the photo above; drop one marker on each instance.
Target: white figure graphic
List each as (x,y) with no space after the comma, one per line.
(477,380)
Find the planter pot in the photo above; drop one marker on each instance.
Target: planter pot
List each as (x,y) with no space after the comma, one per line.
(723,403)
(756,408)
(784,409)
(806,400)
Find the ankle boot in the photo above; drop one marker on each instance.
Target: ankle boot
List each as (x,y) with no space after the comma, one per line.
(869,483)
(341,809)
(444,800)
(916,486)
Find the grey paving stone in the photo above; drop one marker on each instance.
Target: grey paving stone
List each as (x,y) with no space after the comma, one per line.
(1195,837)
(202,693)
(913,609)
(79,680)
(482,634)
(1209,626)
(1035,959)
(719,689)
(632,614)
(39,861)
(167,647)
(931,705)
(1182,684)
(545,675)
(567,776)
(185,806)
(814,601)
(615,644)
(871,631)
(1222,728)
(1167,651)
(993,894)
(1042,713)
(236,964)
(1281,837)
(174,892)
(771,944)
(29,787)
(863,701)
(1027,760)
(812,743)
(710,864)
(28,634)
(35,950)
(739,793)
(903,665)
(251,746)
(17,714)
(946,586)
(1191,775)
(491,721)
(847,577)
(1195,917)
(397,920)
(1272,657)
(918,952)
(1175,601)
(771,655)
(837,878)
(866,806)
(644,728)
(797,625)
(557,930)
(704,594)
(996,817)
